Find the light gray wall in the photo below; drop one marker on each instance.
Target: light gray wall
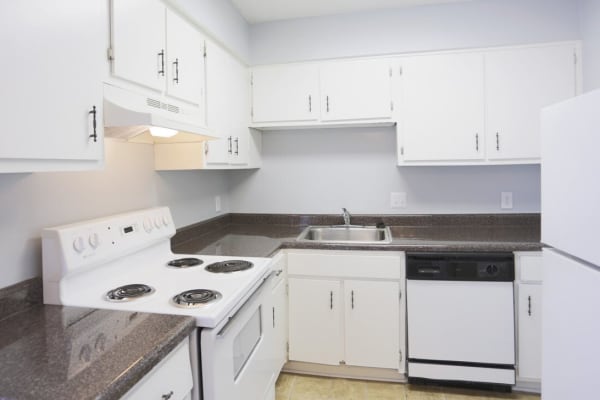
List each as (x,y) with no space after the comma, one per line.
(447,26)
(590,34)
(323,170)
(221,20)
(31,202)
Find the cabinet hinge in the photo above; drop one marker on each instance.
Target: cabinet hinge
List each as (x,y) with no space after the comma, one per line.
(400,351)
(109,54)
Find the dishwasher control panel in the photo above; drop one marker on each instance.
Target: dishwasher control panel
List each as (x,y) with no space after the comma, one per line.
(495,267)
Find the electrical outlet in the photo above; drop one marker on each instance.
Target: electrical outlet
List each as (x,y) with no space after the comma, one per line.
(398,200)
(506,200)
(218,203)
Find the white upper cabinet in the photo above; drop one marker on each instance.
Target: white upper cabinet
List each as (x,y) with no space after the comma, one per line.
(54,64)
(356,90)
(138,42)
(442,107)
(185,55)
(156,48)
(519,82)
(285,93)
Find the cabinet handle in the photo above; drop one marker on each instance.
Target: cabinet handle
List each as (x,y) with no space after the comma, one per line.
(161,69)
(273,317)
(327,102)
(230,147)
(331,300)
(237,146)
(176,65)
(529,305)
(497,141)
(477,142)
(352,299)
(206,148)
(309,103)
(167,396)
(95,134)
(279,271)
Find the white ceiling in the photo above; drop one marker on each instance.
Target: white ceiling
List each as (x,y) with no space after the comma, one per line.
(256,11)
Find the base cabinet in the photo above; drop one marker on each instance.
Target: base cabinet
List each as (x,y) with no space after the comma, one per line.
(529,317)
(346,308)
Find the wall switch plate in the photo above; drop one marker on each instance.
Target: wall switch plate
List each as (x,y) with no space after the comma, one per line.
(506,200)
(218,203)
(398,200)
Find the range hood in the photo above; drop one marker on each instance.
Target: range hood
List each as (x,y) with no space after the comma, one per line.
(130,116)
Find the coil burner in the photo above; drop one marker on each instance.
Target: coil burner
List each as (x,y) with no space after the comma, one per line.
(196,298)
(129,292)
(229,266)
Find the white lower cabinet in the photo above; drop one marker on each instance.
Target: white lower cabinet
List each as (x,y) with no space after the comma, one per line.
(529,317)
(346,308)
(169,379)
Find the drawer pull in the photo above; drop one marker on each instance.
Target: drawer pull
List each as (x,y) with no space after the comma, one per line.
(529,305)
(167,396)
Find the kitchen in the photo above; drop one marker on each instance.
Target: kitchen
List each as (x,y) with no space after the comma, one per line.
(360,162)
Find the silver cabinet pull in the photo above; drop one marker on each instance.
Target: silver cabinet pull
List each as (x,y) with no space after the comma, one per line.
(279,271)
(352,299)
(161,67)
(477,142)
(327,102)
(309,103)
(529,305)
(176,65)
(237,146)
(230,147)
(167,396)
(497,141)
(331,300)
(273,317)
(93,113)
(206,148)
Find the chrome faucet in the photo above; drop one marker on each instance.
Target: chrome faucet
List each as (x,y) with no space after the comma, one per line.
(346,216)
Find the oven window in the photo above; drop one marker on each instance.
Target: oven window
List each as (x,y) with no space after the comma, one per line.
(245,342)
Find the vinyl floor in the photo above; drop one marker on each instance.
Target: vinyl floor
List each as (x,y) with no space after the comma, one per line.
(301,387)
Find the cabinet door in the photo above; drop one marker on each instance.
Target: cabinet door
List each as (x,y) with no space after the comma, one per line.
(519,83)
(356,90)
(315,321)
(185,55)
(442,107)
(372,323)
(279,314)
(53,69)
(530,331)
(227,107)
(138,42)
(285,93)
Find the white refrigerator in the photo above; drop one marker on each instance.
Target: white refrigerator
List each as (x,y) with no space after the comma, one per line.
(571,226)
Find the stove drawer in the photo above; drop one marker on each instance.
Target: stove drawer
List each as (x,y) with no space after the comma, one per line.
(170,379)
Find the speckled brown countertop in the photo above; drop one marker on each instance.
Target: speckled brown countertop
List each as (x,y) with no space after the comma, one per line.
(260,235)
(55,352)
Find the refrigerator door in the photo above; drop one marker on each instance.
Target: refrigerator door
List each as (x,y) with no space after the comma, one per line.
(570,167)
(570,349)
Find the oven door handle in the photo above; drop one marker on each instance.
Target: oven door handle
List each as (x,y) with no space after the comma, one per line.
(231,318)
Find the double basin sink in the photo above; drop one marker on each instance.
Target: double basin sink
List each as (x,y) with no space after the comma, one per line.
(351,234)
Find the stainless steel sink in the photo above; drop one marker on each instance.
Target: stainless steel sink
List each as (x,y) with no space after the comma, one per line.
(346,234)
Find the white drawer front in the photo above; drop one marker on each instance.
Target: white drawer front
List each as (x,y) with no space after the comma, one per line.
(530,267)
(370,265)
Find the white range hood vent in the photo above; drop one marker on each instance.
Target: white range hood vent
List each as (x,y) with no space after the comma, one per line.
(129,116)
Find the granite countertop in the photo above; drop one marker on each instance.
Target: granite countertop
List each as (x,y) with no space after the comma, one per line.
(56,352)
(260,235)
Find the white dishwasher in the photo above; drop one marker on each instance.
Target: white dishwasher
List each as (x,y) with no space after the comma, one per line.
(460,312)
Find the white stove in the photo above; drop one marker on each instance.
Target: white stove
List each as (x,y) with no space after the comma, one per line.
(125,262)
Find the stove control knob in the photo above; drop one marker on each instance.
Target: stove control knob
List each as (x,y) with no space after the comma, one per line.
(148,225)
(165,220)
(79,244)
(94,240)
(158,222)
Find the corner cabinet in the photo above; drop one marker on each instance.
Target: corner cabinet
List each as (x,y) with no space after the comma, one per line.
(481,107)
(340,300)
(529,277)
(52,94)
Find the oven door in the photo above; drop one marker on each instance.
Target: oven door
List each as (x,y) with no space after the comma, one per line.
(235,354)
